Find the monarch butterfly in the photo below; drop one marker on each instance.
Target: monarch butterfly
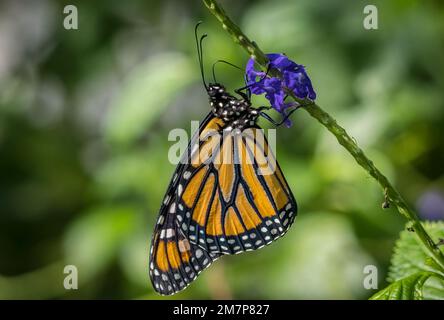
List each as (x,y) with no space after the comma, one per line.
(228,194)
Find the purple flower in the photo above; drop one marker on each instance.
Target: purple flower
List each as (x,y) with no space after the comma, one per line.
(294,78)
(431,205)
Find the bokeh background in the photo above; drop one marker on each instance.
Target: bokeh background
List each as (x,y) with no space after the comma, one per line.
(85,115)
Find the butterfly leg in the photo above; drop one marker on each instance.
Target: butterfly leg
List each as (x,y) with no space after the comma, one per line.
(247,86)
(284,118)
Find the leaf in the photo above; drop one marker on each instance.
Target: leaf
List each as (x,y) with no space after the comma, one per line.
(410,258)
(409,288)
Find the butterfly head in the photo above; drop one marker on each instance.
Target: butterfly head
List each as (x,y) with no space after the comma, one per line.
(219,99)
(236,113)
(216,91)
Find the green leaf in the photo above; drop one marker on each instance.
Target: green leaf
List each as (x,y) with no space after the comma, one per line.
(409,288)
(409,258)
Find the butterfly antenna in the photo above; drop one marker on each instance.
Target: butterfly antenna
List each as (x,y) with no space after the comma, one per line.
(201,59)
(222,61)
(199,51)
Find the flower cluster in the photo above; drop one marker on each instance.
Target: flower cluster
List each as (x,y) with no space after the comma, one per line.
(294,79)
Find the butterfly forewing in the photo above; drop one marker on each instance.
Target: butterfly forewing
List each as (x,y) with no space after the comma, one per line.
(176,262)
(236,199)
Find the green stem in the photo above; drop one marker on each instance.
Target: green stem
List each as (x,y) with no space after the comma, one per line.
(339,132)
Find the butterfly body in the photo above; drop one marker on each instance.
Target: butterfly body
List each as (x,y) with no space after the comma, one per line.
(236,113)
(227,196)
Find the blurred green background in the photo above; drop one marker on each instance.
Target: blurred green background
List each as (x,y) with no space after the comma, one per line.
(85,115)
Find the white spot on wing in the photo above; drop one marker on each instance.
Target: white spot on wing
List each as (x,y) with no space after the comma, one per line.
(187,175)
(170,233)
(194,149)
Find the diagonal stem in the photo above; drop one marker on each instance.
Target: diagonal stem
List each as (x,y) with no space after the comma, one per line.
(339,132)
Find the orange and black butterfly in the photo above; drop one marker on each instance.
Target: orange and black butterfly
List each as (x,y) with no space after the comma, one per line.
(228,194)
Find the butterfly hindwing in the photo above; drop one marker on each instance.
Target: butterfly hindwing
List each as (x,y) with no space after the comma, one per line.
(174,261)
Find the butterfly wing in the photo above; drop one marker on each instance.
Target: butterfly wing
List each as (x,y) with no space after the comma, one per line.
(228,195)
(174,261)
(233,197)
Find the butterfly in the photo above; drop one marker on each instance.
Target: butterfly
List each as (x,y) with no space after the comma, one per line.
(228,194)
